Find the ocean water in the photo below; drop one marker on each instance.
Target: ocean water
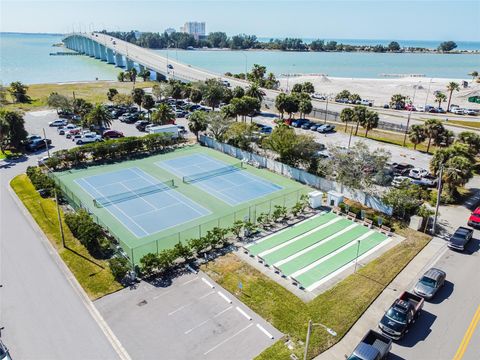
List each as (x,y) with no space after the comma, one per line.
(25,57)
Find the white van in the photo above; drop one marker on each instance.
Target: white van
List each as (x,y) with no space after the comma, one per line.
(172,129)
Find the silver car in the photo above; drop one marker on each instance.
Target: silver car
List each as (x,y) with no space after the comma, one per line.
(430,283)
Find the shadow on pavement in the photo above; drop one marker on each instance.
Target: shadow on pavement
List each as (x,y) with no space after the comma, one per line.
(443,293)
(392,356)
(472,247)
(420,330)
(472,202)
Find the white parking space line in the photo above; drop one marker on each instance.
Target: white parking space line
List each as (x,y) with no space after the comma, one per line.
(207,294)
(244,313)
(206,321)
(161,295)
(227,339)
(188,282)
(262,329)
(224,297)
(191,303)
(208,283)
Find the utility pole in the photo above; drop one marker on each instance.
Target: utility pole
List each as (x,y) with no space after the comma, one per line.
(350,138)
(409,114)
(60,225)
(356,258)
(434,226)
(46,142)
(326,111)
(309,330)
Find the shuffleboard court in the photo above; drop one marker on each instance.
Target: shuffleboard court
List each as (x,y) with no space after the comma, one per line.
(222,180)
(142,213)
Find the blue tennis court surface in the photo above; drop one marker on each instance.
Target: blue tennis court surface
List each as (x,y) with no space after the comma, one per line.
(233,187)
(143,214)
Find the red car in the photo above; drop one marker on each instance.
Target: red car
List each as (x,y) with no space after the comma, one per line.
(474,219)
(112,134)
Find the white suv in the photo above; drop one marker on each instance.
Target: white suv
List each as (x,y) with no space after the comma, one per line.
(418,173)
(89,138)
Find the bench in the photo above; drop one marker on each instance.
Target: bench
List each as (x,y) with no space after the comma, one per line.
(386,230)
(351,216)
(368,223)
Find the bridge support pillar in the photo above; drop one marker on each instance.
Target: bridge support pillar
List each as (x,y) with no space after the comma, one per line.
(103,52)
(91,47)
(110,56)
(129,63)
(160,77)
(119,60)
(141,68)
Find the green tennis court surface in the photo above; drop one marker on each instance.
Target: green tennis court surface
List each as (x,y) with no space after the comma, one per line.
(316,248)
(147,207)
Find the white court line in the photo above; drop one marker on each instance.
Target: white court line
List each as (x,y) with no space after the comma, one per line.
(346,266)
(286,229)
(227,339)
(206,321)
(262,329)
(156,209)
(224,297)
(332,254)
(317,244)
(244,313)
(286,243)
(208,283)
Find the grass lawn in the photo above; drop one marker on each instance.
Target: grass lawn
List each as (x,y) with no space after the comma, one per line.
(472,124)
(339,308)
(96,281)
(94,92)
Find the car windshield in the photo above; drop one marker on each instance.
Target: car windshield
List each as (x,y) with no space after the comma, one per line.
(428,281)
(397,316)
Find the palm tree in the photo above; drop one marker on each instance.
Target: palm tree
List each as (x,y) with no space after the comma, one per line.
(440,97)
(197,122)
(452,86)
(416,135)
(456,172)
(347,115)
(474,75)
(148,103)
(137,96)
(99,117)
(254,91)
(433,130)
(370,122)
(163,115)
(359,116)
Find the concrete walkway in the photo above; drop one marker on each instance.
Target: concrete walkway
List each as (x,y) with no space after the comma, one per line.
(404,281)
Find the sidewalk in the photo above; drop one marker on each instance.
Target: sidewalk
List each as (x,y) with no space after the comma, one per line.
(369,320)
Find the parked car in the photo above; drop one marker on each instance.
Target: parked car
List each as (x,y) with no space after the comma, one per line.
(31,138)
(386,106)
(401,315)
(170,66)
(458,111)
(420,108)
(112,134)
(72,132)
(427,180)
(417,173)
(460,238)
(401,168)
(4,353)
(325,128)
(306,125)
(373,346)
(141,124)
(399,181)
(430,283)
(471,112)
(89,138)
(319,96)
(180,113)
(314,127)
(410,107)
(58,122)
(298,123)
(366,102)
(41,161)
(181,129)
(440,110)
(62,130)
(474,219)
(38,144)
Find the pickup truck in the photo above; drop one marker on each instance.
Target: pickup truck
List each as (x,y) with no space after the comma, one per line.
(403,312)
(89,138)
(373,346)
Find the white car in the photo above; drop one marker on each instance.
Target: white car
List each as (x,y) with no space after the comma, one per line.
(62,130)
(472,112)
(418,173)
(148,127)
(420,108)
(458,111)
(58,122)
(89,138)
(42,160)
(399,181)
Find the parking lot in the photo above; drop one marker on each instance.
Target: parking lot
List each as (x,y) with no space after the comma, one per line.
(190,318)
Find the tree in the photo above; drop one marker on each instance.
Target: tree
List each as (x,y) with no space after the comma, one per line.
(354,98)
(137,96)
(280,102)
(238,92)
(347,115)
(359,116)
(308,88)
(398,101)
(305,107)
(175,89)
(370,122)
(441,156)
(440,97)
(404,200)
(121,76)
(252,105)
(145,74)
(218,39)
(197,122)
(149,263)
(163,115)
(474,75)
(447,46)
(240,135)
(59,102)
(183,250)
(4,131)
(12,126)
(19,92)
(258,72)
(344,94)
(81,107)
(451,87)
(297,88)
(254,91)
(148,103)
(120,267)
(213,92)
(195,95)
(99,117)
(3,95)
(111,94)
(218,125)
(471,139)
(394,46)
(132,74)
(416,135)
(159,90)
(122,99)
(433,129)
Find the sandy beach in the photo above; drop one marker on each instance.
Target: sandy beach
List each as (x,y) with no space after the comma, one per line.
(381,90)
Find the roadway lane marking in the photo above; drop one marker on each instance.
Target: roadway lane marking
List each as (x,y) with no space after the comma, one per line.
(204,322)
(208,283)
(244,313)
(262,329)
(227,339)
(224,297)
(468,336)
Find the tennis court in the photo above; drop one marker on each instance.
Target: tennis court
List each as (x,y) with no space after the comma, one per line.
(226,182)
(314,249)
(143,204)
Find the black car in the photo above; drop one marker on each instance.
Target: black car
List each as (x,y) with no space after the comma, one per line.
(460,238)
(306,125)
(141,124)
(37,144)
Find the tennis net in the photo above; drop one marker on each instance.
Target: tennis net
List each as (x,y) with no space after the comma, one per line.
(212,173)
(125,196)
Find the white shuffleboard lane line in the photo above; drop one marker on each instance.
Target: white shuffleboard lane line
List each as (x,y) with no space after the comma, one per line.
(317,244)
(286,229)
(262,329)
(278,247)
(332,254)
(346,266)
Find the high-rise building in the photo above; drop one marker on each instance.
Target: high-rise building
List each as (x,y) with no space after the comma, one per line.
(195,28)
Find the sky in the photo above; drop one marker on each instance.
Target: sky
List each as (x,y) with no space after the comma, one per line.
(324,19)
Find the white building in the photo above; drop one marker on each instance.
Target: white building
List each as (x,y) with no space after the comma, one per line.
(197,29)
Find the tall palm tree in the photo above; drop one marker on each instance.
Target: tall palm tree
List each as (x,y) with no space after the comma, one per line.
(370,122)
(433,130)
(452,86)
(163,115)
(197,122)
(359,116)
(440,97)
(347,115)
(99,117)
(254,91)
(416,135)
(474,75)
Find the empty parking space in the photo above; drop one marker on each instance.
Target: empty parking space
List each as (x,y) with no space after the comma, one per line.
(192,318)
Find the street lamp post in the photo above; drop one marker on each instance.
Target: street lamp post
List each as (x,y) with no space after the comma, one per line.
(326,110)
(309,330)
(439,194)
(409,114)
(60,225)
(356,257)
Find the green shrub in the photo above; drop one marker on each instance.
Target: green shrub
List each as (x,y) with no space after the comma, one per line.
(40,180)
(119,267)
